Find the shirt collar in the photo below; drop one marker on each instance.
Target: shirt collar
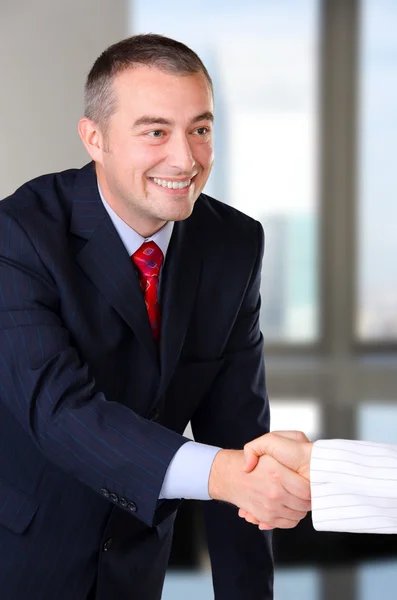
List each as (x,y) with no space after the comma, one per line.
(133,240)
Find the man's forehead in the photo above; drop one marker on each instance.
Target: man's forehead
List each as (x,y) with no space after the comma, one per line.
(140,74)
(152,97)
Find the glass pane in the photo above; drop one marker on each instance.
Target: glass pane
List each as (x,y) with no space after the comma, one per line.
(377,580)
(192,585)
(303,415)
(288,413)
(297,583)
(377,422)
(288,583)
(377,289)
(265,134)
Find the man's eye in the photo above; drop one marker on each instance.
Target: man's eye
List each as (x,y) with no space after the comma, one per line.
(157,133)
(202,130)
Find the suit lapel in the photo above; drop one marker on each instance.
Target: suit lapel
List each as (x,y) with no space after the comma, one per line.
(105,261)
(180,279)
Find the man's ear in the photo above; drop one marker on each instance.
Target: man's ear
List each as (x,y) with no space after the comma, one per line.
(92,138)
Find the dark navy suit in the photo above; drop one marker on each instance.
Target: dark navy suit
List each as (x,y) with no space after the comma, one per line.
(91,412)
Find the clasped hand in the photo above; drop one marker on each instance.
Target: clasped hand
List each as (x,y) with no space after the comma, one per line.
(269,481)
(284,457)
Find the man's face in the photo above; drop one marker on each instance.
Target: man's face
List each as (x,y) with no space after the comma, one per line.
(158,150)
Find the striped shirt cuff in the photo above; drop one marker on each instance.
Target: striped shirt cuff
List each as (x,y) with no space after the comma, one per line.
(354,486)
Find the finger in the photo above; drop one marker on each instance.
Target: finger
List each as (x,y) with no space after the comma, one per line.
(297,436)
(297,504)
(278,524)
(279,503)
(288,452)
(244,514)
(265,527)
(285,514)
(298,489)
(293,483)
(286,493)
(251,519)
(251,457)
(289,514)
(256,448)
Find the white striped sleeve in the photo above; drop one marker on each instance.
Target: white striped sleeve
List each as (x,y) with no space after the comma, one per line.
(354,486)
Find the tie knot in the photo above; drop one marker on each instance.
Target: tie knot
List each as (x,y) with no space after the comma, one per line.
(148,259)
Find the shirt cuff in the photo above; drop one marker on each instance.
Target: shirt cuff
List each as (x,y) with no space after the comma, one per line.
(188,473)
(354,486)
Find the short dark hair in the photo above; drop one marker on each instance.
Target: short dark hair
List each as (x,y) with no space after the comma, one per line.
(150,49)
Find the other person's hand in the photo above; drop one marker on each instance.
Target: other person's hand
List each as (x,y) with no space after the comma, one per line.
(290,448)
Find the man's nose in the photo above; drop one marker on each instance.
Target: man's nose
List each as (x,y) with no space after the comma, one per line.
(180,154)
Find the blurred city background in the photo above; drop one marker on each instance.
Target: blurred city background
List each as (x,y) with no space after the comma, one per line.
(306,130)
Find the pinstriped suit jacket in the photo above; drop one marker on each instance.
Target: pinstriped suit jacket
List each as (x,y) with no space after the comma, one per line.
(82,385)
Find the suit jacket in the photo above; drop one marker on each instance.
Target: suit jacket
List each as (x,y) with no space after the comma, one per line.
(92,413)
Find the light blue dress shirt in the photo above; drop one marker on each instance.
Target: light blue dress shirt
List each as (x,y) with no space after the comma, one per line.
(188,472)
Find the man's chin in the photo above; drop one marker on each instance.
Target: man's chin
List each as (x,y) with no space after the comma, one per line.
(179,213)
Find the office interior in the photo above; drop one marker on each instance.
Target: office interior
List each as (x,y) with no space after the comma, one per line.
(305,135)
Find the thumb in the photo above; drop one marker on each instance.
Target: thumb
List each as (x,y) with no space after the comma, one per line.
(252,452)
(267,444)
(297,436)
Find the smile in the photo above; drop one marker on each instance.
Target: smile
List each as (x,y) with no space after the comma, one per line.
(173,185)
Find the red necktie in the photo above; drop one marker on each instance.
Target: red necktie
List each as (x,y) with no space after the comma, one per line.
(148,260)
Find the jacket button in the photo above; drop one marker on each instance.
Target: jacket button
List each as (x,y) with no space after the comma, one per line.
(107,545)
(114,497)
(131,506)
(105,492)
(154,414)
(123,502)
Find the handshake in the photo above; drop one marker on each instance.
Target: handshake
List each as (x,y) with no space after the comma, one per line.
(269,481)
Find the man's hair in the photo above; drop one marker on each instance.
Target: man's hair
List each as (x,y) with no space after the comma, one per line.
(145,49)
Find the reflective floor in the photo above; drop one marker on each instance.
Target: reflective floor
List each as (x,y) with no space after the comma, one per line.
(377,580)
(299,584)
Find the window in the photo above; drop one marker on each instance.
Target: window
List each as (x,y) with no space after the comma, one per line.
(294,80)
(377,240)
(265,135)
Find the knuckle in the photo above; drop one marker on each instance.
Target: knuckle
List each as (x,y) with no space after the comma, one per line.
(275,475)
(270,523)
(291,524)
(273,494)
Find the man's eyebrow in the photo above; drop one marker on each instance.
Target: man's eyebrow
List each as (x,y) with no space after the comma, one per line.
(207,116)
(148,120)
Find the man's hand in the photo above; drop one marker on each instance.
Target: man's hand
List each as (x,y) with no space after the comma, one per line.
(274,495)
(290,448)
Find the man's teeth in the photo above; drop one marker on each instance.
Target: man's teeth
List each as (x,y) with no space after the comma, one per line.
(175,185)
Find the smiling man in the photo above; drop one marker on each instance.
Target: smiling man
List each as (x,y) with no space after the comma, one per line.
(129,306)
(155,154)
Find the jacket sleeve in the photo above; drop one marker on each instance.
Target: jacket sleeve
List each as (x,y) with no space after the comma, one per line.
(236,411)
(48,388)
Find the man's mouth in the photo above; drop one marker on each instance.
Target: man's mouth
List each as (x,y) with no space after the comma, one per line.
(172,185)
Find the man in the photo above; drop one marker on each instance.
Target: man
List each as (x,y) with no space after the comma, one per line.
(353,483)
(129,306)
